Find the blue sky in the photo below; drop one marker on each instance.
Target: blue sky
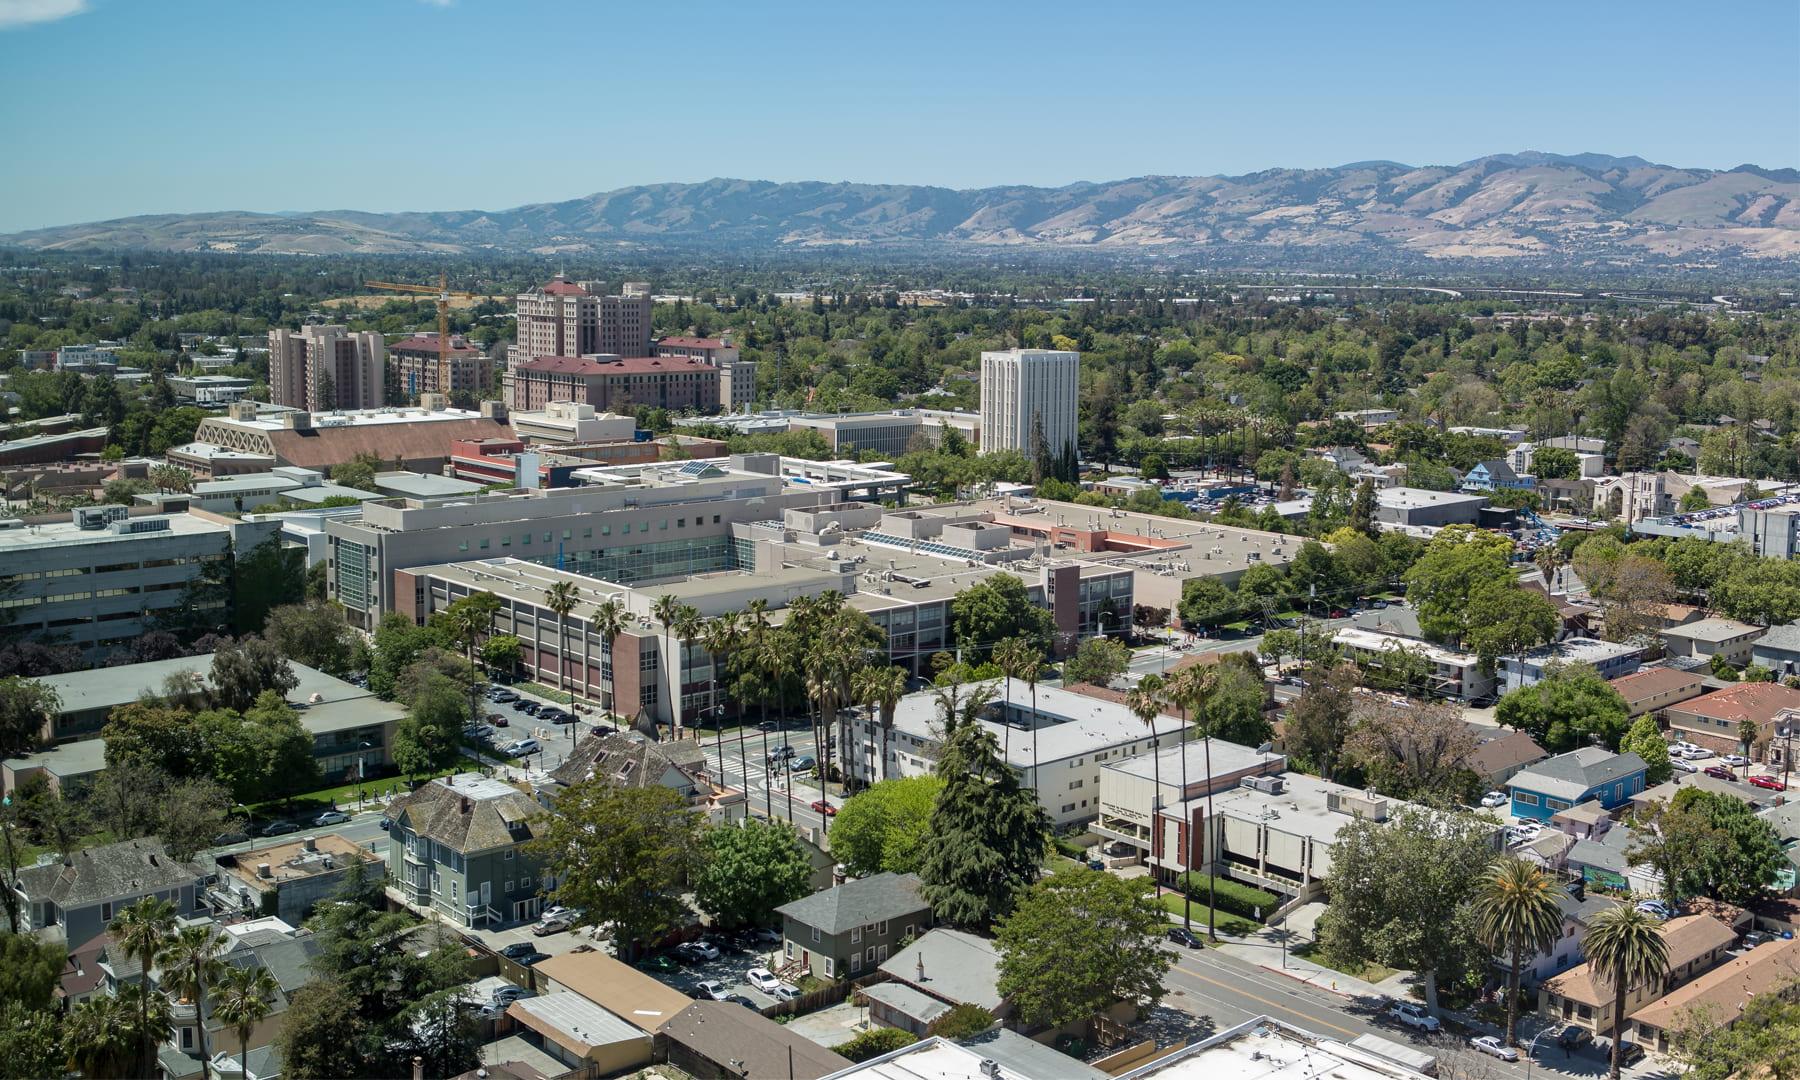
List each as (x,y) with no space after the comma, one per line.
(117,107)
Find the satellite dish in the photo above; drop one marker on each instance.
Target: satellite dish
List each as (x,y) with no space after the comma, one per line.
(1265,748)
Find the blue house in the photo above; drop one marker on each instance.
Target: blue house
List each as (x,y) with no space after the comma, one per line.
(1496,475)
(1592,772)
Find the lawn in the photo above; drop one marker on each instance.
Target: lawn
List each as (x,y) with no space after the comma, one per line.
(1372,973)
(313,803)
(1200,913)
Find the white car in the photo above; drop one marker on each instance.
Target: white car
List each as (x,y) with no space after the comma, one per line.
(711,990)
(1696,753)
(1413,1016)
(1683,765)
(763,979)
(1680,745)
(1735,761)
(702,948)
(1493,1047)
(521,748)
(1495,799)
(331,817)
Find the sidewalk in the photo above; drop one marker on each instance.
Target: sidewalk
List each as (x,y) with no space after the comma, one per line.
(1272,947)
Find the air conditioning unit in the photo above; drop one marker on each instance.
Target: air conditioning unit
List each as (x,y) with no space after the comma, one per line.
(1268,785)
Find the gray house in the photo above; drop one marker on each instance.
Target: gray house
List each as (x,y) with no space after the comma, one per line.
(851,929)
(75,897)
(456,849)
(1778,650)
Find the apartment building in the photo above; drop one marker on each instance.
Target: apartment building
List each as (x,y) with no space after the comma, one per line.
(457,850)
(1450,673)
(614,383)
(416,363)
(737,377)
(1585,997)
(1024,391)
(1162,784)
(564,318)
(319,368)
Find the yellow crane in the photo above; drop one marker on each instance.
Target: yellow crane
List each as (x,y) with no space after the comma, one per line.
(443,293)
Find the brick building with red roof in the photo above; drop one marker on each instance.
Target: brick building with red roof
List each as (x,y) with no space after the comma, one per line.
(617,384)
(1714,720)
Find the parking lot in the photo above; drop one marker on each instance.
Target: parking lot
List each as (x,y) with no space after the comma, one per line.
(734,960)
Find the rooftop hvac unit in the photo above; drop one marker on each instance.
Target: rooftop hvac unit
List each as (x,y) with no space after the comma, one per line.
(1268,785)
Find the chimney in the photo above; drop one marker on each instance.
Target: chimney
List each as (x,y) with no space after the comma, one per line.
(921,967)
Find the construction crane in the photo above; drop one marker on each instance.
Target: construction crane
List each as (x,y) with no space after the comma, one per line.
(443,311)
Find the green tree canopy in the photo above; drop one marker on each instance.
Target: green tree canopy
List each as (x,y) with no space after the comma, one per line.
(886,826)
(1503,619)
(1564,708)
(1646,740)
(1458,563)
(988,834)
(995,609)
(1078,942)
(750,869)
(1098,661)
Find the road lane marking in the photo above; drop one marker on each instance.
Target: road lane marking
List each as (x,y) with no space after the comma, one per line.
(1271,1004)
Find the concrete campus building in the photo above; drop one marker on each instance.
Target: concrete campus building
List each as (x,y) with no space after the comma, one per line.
(100,578)
(1023,389)
(566,318)
(253,438)
(319,368)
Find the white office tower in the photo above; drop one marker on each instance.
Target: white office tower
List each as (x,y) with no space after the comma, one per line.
(1023,388)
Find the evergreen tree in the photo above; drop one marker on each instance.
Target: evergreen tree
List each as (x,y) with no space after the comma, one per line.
(1362,509)
(988,834)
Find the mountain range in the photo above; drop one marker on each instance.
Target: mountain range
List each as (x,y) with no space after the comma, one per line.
(1528,207)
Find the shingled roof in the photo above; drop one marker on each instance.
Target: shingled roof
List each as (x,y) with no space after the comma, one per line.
(632,759)
(858,903)
(467,813)
(108,872)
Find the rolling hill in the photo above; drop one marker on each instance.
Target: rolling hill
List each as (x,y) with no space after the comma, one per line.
(1532,207)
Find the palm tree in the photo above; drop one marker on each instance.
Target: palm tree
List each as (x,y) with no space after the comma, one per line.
(1626,948)
(776,658)
(561,599)
(664,611)
(755,639)
(1014,656)
(246,996)
(719,637)
(687,629)
(1146,706)
(609,623)
(194,961)
(1031,673)
(143,930)
(101,1035)
(1517,913)
(881,688)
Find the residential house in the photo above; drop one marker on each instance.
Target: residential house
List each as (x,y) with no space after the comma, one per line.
(1722,992)
(1500,753)
(943,969)
(457,849)
(1655,689)
(633,759)
(617,987)
(1584,996)
(1608,658)
(1601,861)
(1496,475)
(1778,650)
(1705,639)
(1719,720)
(1578,910)
(1590,772)
(75,897)
(851,929)
(720,1040)
(582,1035)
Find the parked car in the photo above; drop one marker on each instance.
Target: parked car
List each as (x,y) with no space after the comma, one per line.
(768,725)
(1719,772)
(762,935)
(1493,1047)
(1630,1053)
(331,817)
(502,696)
(506,995)
(521,747)
(479,733)
(1184,938)
(784,992)
(659,964)
(498,720)
(1683,765)
(1495,799)
(704,950)
(711,990)
(1656,909)
(1413,1016)
(1696,753)
(518,949)
(1736,761)
(230,838)
(762,979)
(1768,783)
(532,959)
(547,926)
(805,763)
(1574,1035)
(823,807)
(1753,938)
(280,828)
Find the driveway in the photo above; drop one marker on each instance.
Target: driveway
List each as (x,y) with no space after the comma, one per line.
(729,969)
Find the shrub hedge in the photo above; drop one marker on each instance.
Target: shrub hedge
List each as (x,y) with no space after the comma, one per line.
(1232,896)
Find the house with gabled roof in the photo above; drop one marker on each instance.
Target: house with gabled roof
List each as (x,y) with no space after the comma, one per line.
(1591,772)
(76,896)
(457,849)
(851,929)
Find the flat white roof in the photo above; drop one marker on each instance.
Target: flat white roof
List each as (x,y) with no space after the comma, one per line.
(60,533)
(1227,757)
(1379,642)
(1070,723)
(355,418)
(1411,498)
(1265,1050)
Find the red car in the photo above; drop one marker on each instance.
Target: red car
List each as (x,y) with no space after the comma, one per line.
(1770,782)
(1719,772)
(824,807)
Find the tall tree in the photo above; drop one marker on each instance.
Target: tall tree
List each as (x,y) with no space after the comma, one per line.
(609,623)
(194,964)
(144,931)
(561,600)
(1412,750)
(1625,948)
(989,833)
(881,688)
(1518,914)
(1322,719)
(1400,895)
(244,668)
(246,996)
(1078,942)
(620,854)
(1646,740)
(26,709)
(886,826)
